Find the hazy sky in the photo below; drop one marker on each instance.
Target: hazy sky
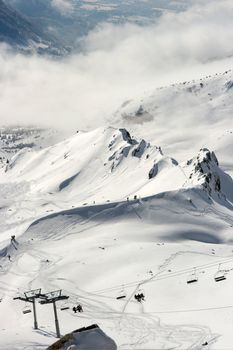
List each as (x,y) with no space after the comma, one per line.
(116,64)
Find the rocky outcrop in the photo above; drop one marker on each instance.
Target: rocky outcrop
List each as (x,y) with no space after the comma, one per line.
(125,145)
(205,169)
(91,338)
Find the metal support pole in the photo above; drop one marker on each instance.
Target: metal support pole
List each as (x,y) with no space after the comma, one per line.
(34,313)
(56,320)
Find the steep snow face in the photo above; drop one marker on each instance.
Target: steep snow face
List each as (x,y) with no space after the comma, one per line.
(88,167)
(185,117)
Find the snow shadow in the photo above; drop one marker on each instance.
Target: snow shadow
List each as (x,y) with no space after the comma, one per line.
(67,182)
(194,235)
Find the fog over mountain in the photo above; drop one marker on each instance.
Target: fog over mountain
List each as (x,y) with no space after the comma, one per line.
(116,63)
(69,20)
(116,188)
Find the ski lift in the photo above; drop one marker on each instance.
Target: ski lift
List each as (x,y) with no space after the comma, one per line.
(220,275)
(121,295)
(27,309)
(64,307)
(192,278)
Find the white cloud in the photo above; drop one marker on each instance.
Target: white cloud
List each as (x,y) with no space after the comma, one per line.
(65,7)
(117,63)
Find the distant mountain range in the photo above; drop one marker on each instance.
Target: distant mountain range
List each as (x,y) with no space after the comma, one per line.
(46,26)
(20,33)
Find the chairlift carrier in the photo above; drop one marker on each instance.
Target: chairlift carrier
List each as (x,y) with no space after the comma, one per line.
(220,275)
(27,309)
(192,278)
(121,295)
(64,306)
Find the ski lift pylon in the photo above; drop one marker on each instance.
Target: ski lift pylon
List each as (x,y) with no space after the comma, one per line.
(193,277)
(220,274)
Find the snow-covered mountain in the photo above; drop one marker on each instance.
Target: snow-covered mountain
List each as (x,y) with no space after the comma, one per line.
(127,223)
(185,117)
(89,166)
(104,214)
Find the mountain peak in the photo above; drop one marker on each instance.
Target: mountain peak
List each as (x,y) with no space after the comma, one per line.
(205,171)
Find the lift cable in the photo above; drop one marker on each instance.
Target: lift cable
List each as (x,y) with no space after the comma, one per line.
(163,276)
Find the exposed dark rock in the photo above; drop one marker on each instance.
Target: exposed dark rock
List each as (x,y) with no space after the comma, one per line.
(139,151)
(92,338)
(127,137)
(153,172)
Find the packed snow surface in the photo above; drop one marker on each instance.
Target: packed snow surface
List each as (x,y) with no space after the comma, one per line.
(107,214)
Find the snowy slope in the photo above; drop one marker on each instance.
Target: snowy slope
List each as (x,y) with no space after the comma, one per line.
(185,117)
(87,169)
(80,228)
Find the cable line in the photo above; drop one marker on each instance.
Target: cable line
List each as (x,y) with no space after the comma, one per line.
(164,276)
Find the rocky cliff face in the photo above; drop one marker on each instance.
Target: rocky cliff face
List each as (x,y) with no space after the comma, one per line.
(91,338)
(205,171)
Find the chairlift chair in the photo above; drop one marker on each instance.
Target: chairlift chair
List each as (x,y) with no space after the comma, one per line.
(64,306)
(26,309)
(121,295)
(192,278)
(220,275)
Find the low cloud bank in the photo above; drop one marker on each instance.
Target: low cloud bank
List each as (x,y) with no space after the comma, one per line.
(117,63)
(65,7)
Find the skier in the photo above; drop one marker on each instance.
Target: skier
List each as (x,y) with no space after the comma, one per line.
(79,308)
(75,309)
(142,296)
(139,297)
